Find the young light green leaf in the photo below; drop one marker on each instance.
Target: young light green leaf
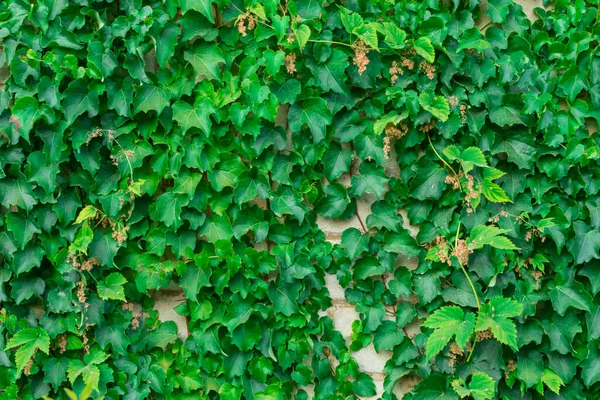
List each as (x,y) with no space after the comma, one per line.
(448,322)
(480,387)
(425,49)
(111,288)
(495,316)
(28,341)
(482,235)
(437,106)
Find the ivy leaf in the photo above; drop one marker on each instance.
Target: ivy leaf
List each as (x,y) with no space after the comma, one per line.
(302,35)
(331,75)
(336,161)
(163,336)
(247,336)
(591,366)
(26,288)
(448,322)
(197,116)
(519,152)
(55,371)
(205,59)
(561,331)
(425,49)
(24,113)
(150,98)
(217,228)
(429,183)
(284,298)
(22,228)
(17,192)
(473,39)
(314,113)
(111,288)
(372,179)
(402,243)
(434,387)
(354,242)
(586,244)
(78,98)
(495,316)
(169,206)
(28,341)
(204,7)
(480,387)
(566,292)
(437,106)
(396,37)
(288,203)
(387,336)
(195,278)
(530,368)
(364,386)
(482,235)
(506,115)
(104,248)
(498,10)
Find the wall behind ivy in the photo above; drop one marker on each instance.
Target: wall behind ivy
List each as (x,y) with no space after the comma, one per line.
(123,328)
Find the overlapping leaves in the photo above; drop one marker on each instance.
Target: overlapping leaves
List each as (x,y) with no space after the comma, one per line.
(202,145)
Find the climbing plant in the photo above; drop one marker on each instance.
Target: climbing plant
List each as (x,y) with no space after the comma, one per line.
(196,143)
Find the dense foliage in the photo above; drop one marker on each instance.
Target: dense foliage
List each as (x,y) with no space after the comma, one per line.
(150,143)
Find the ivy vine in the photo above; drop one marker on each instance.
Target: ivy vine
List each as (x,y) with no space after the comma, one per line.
(147,144)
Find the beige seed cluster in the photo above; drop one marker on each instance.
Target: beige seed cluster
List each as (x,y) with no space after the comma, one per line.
(360,56)
(290,63)
(245,22)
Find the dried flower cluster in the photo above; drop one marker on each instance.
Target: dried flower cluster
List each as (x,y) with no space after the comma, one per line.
(62,343)
(246,21)
(453,101)
(395,70)
(461,252)
(427,127)
(512,366)
(360,56)
(455,352)
(290,63)
(120,234)
(453,180)
(484,335)
(87,265)
(428,69)
(463,113)
(392,132)
(81,297)
(408,64)
(472,192)
(443,250)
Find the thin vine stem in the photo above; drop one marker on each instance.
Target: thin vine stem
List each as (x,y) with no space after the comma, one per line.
(472,287)
(440,157)
(329,41)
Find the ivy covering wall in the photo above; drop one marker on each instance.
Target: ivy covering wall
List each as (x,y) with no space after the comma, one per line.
(152,144)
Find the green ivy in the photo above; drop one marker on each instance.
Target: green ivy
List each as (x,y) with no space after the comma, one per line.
(147,144)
